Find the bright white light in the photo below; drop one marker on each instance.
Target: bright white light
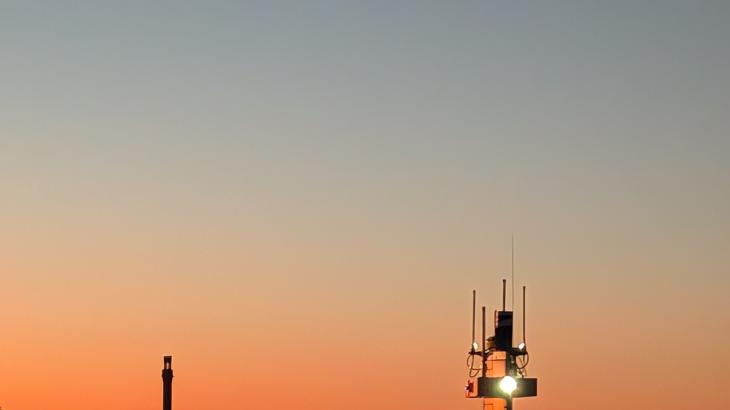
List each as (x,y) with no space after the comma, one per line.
(521,346)
(475,346)
(508,384)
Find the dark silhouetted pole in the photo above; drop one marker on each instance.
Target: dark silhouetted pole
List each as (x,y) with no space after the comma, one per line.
(167,383)
(504,295)
(473,319)
(524,315)
(484,341)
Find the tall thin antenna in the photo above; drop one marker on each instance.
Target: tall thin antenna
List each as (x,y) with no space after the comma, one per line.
(484,341)
(524,315)
(513,273)
(473,317)
(504,295)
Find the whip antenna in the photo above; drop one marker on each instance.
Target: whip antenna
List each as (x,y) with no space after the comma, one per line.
(484,341)
(504,295)
(524,315)
(513,273)
(473,318)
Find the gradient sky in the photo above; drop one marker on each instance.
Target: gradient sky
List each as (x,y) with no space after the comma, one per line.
(297,198)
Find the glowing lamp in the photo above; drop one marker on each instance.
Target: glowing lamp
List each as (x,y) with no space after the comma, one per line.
(508,384)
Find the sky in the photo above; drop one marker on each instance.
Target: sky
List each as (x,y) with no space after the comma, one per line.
(296,199)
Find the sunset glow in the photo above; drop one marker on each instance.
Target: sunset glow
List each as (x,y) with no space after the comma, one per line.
(296,199)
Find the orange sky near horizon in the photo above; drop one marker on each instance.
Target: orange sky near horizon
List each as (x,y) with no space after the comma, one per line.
(245,336)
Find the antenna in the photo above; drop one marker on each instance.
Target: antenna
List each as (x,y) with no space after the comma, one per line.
(513,273)
(507,381)
(524,315)
(504,295)
(473,318)
(484,341)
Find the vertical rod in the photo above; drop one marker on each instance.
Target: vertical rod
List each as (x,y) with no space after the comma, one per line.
(484,341)
(513,273)
(504,295)
(524,315)
(473,317)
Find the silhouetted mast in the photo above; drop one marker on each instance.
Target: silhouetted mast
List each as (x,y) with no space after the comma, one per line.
(167,383)
(506,376)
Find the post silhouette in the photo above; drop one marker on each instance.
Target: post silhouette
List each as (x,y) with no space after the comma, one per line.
(167,383)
